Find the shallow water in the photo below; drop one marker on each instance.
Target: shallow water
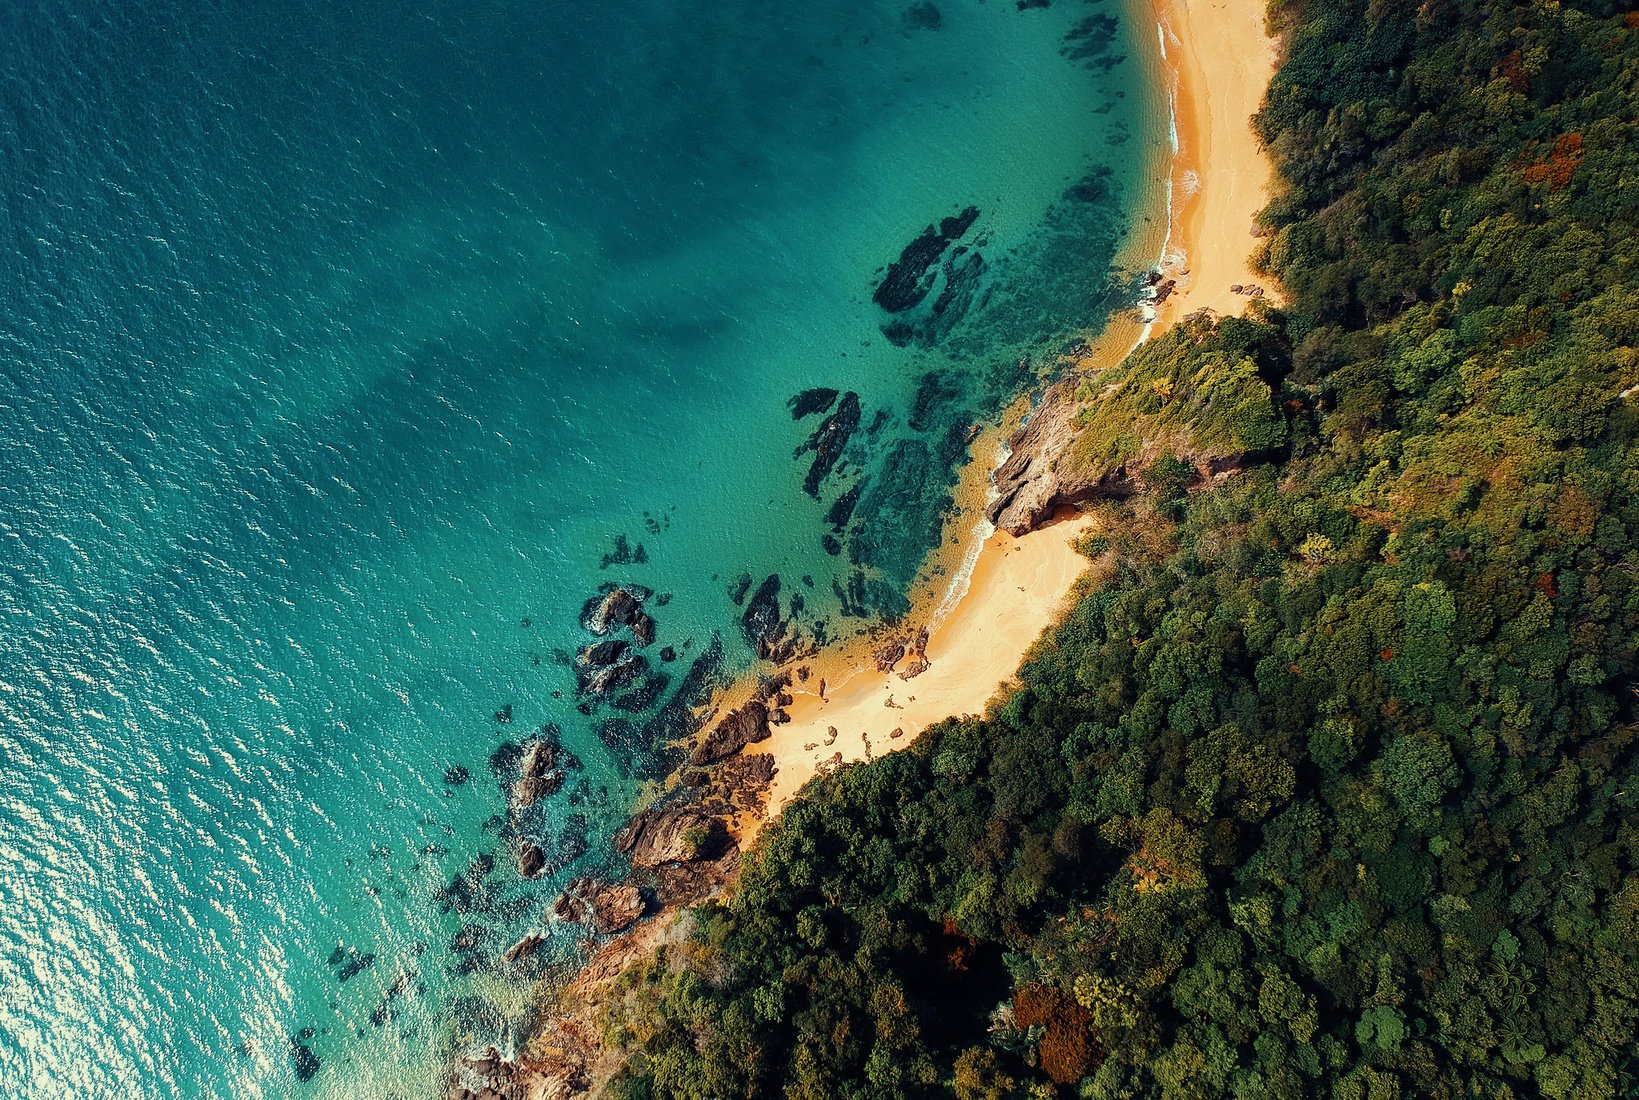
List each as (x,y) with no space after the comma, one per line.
(338,349)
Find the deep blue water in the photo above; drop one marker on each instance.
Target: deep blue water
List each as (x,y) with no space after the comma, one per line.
(339,344)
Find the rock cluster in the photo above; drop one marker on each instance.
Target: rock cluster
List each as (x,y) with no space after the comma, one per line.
(486,1076)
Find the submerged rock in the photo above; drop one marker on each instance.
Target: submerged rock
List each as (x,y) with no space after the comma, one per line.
(305,1061)
(908,280)
(809,402)
(828,442)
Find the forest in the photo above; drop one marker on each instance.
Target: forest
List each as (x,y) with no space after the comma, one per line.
(1329,790)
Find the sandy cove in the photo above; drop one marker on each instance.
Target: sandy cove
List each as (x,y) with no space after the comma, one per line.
(1017,590)
(1219,60)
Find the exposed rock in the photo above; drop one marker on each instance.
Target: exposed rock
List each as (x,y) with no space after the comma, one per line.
(738,728)
(455,775)
(668,654)
(809,402)
(603,907)
(828,442)
(531,859)
(538,776)
(602,654)
(745,777)
(523,949)
(676,832)
(603,667)
(916,656)
(618,607)
(1035,482)
(889,654)
(643,629)
(487,1076)
(908,280)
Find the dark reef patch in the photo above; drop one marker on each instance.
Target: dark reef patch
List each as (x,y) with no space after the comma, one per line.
(923,17)
(828,442)
(808,402)
(1091,43)
(909,278)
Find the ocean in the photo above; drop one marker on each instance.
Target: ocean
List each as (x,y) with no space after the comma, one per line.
(348,350)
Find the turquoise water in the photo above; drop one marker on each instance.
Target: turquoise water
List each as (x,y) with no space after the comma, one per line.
(338,348)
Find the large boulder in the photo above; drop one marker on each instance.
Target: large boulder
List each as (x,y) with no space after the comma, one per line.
(745,725)
(676,832)
(603,907)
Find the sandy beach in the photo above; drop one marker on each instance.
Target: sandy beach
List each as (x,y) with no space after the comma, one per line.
(1219,60)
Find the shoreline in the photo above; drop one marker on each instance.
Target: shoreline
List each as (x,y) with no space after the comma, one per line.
(1218,61)
(978,608)
(1217,183)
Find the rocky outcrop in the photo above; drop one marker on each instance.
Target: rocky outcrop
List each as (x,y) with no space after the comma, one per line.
(745,725)
(603,907)
(916,656)
(764,625)
(523,949)
(1037,479)
(889,654)
(603,667)
(676,832)
(538,774)
(531,859)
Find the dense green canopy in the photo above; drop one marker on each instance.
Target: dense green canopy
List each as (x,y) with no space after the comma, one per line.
(1331,790)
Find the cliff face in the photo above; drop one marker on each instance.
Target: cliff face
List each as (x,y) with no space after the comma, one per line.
(1038,478)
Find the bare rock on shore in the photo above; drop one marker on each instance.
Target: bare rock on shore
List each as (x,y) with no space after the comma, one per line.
(745,725)
(676,832)
(916,656)
(1037,479)
(889,654)
(603,907)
